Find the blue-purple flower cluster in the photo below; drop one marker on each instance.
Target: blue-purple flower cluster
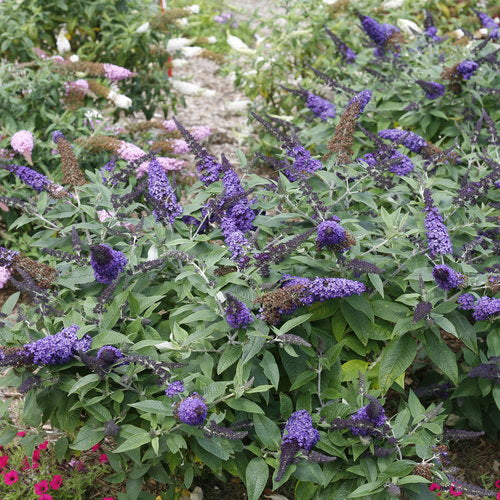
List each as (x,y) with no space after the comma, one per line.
(238,315)
(411,140)
(362,98)
(321,108)
(109,354)
(30,177)
(446,278)
(330,234)
(174,388)
(467,68)
(236,241)
(239,211)
(162,194)
(488,23)
(106,263)
(378,33)
(299,429)
(486,308)
(398,163)
(303,163)
(438,239)
(466,302)
(192,410)
(373,413)
(348,55)
(57,349)
(321,289)
(432,90)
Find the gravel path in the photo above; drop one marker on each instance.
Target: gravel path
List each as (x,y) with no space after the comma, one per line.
(231,127)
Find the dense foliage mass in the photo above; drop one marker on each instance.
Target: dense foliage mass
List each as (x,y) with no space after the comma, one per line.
(329,322)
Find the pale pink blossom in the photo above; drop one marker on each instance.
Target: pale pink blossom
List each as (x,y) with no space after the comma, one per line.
(180,146)
(200,132)
(104,215)
(23,142)
(166,162)
(170,125)
(78,86)
(115,73)
(129,152)
(4,276)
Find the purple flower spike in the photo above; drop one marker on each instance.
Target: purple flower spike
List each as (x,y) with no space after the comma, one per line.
(398,163)
(320,107)
(373,413)
(486,308)
(330,233)
(303,163)
(363,98)
(115,73)
(30,177)
(57,349)
(488,23)
(432,90)
(300,434)
(109,354)
(192,410)
(106,263)
(174,388)
(466,301)
(438,239)
(467,68)
(162,194)
(411,140)
(237,313)
(446,278)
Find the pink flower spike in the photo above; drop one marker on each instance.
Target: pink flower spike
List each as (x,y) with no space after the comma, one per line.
(45,496)
(180,146)
(4,276)
(56,482)
(96,447)
(434,487)
(103,459)
(21,434)
(23,142)
(200,132)
(36,455)
(497,484)
(115,73)
(170,125)
(11,477)
(43,446)
(41,487)
(103,215)
(4,461)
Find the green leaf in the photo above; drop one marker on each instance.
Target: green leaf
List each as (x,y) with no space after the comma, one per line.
(109,337)
(292,323)
(303,379)
(10,303)
(351,369)
(359,323)
(252,347)
(133,442)
(153,406)
(244,405)
(389,310)
(464,330)
(270,368)
(396,358)
(228,358)
(256,476)
(218,447)
(442,356)
(88,379)
(376,281)
(360,303)
(366,489)
(267,431)
(86,438)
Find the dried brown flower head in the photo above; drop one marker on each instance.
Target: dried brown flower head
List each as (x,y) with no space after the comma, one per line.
(43,274)
(279,301)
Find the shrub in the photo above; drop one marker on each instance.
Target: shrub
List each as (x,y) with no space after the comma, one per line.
(318,324)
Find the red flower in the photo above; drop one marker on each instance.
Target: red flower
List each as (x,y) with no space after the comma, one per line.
(96,447)
(103,458)
(43,446)
(498,495)
(11,477)
(36,455)
(497,484)
(41,487)
(4,461)
(35,465)
(454,492)
(434,487)
(45,497)
(26,464)
(56,482)
(21,434)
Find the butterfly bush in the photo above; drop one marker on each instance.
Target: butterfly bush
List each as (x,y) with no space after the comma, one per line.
(263,326)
